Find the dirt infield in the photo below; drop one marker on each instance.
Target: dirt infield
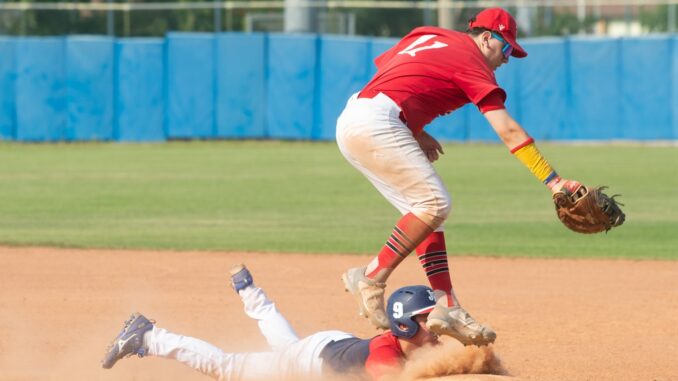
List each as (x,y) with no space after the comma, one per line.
(555,319)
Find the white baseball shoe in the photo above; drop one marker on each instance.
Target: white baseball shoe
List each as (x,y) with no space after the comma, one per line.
(456,322)
(369,295)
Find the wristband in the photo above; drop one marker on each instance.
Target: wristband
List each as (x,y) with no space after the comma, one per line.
(552,180)
(530,156)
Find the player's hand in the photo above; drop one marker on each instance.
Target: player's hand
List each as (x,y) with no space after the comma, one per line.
(569,185)
(432,149)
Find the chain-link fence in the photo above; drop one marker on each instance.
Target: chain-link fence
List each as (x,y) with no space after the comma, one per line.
(373,18)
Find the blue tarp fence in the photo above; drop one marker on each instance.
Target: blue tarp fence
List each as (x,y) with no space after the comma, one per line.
(281,86)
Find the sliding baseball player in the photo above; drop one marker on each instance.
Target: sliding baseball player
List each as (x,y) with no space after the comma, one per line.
(290,357)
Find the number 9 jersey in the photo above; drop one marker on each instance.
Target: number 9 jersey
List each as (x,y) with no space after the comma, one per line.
(434,71)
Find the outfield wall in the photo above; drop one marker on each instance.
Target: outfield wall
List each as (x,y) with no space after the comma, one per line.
(281,86)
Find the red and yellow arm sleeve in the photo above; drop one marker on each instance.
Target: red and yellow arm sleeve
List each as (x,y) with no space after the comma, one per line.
(530,156)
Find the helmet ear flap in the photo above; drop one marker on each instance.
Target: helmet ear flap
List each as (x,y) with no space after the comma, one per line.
(406,303)
(410,329)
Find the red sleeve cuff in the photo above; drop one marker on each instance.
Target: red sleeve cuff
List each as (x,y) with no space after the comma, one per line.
(492,101)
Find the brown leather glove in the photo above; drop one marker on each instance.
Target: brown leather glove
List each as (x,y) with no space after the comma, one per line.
(587,210)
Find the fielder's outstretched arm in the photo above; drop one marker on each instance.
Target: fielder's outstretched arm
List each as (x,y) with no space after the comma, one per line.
(522,146)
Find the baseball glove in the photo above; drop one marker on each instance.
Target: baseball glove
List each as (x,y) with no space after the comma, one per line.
(587,210)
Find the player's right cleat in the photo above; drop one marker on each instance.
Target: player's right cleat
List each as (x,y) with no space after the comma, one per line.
(241,277)
(456,322)
(130,341)
(369,295)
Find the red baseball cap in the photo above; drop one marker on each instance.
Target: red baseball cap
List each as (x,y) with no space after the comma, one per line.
(500,21)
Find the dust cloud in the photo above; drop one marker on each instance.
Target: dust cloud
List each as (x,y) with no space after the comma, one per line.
(449,358)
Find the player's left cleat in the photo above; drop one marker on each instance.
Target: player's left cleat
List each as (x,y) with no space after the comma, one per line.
(369,295)
(241,278)
(130,341)
(456,322)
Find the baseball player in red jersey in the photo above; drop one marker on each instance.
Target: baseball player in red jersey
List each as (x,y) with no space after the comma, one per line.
(322,354)
(430,72)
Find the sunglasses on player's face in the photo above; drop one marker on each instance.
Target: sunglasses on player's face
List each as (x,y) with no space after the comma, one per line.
(507,49)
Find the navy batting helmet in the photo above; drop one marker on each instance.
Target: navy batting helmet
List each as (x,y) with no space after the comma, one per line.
(404,304)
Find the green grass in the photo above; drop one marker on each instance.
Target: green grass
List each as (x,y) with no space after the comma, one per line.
(303,197)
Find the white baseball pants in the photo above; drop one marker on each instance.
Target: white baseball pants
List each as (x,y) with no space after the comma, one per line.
(377,143)
(290,358)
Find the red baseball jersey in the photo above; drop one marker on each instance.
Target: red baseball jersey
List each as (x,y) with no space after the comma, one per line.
(367,359)
(434,71)
(385,355)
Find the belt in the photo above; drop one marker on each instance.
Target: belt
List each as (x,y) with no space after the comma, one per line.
(369,94)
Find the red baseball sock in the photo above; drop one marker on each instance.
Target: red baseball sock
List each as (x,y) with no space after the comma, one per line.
(406,235)
(432,255)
